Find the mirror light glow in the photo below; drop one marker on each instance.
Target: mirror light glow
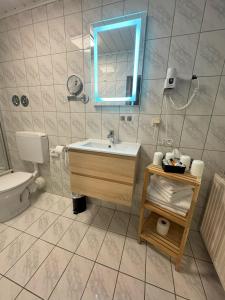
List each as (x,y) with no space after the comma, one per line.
(119,25)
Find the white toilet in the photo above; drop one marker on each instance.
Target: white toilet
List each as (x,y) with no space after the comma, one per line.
(14,187)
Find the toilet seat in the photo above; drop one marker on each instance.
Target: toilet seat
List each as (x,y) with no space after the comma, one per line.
(13,180)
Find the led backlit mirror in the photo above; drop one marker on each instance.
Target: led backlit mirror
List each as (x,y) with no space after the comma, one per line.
(117,48)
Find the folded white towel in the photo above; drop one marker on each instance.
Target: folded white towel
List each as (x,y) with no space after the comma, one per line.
(169,185)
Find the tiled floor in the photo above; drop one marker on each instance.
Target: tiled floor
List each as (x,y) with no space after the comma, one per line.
(49,253)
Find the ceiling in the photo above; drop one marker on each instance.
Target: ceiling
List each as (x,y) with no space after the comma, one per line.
(9,7)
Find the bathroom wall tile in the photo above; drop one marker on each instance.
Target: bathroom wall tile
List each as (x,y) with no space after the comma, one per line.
(112,10)
(25,18)
(15,44)
(110,122)
(59,68)
(20,72)
(158,270)
(26,121)
(219,108)
(55,9)
(89,4)
(101,283)
(188,16)
(71,6)
(39,14)
(204,101)
(35,98)
(182,54)
(215,138)
(5,53)
(62,104)
(151,96)
(32,71)
(194,131)
(128,129)
(160,18)
(75,63)
(45,279)
(48,98)
(131,6)
(10,255)
(147,133)
(45,70)
(155,60)
(213,17)
(93,125)
(42,224)
(9,75)
(73,29)
(78,125)
(28,41)
(50,123)
(24,269)
(42,38)
(7,236)
(89,17)
(187,281)
(214,163)
(129,287)
(210,280)
(74,279)
(91,243)
(73,236)
(152,292)
(210,54)
(133,259)
(3,25)
(57,35)
(9,290)
(111,250)
(64,126)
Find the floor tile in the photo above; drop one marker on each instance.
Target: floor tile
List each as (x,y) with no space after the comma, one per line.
(128,288)
(103,217)
(73,236)
(60,206)
(154,293)
(133,259)
(74,279)
(119,222)
(88,215)
(101,283)
(187,250)
(198,247)
(25,219)
(24,269)
(91,243)
(10,255)
(42,224)
(133,227)
(25,295)
(69,212)
(7,236)
(159,270)
(210,281)
(45,201)
(187,281)
(9,290)
(111,250)
(45,279)
(56,230)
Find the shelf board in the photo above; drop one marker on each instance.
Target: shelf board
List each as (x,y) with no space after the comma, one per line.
(185,178)
(168,214)
(170,243)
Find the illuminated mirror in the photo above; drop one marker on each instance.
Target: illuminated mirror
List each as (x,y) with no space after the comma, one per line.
(117,48)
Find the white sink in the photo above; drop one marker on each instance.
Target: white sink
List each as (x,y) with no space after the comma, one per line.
(127,149)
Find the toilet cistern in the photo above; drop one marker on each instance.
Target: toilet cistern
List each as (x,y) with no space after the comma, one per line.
(111,137)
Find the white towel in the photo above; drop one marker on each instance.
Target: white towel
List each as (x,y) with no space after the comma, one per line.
(169,185)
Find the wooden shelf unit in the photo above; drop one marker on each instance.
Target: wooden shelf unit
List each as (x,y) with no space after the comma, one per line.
(174,243)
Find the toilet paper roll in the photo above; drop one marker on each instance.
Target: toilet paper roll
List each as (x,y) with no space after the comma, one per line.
(162,226)
(197,168)
(186,160)
(169,155)
(157,159)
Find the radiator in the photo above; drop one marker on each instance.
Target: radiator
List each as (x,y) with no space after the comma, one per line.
(213,226)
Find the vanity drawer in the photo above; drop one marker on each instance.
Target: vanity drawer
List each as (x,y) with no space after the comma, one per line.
(109,167)
(102,189)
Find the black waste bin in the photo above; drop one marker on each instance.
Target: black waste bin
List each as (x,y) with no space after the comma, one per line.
(79,203)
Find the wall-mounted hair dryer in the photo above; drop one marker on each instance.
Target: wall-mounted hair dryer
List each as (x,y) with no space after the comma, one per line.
(170,81)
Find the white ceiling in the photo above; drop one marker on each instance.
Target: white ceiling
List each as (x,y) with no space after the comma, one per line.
(8,7)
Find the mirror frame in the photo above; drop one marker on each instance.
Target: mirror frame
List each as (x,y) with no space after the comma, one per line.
(139,21)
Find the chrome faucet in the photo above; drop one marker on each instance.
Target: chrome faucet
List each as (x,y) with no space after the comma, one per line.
(111,136)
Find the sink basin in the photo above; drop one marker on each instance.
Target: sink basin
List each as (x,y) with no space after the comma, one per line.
(123,148)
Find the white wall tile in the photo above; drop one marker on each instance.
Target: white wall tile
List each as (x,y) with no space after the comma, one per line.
(71,6)
(28,41)
(42,38)
(45,69)
(59,68)
(57,35)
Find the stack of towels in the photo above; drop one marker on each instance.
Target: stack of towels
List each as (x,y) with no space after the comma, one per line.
(169,194)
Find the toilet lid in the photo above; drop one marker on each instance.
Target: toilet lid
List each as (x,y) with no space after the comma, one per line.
(12,180)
